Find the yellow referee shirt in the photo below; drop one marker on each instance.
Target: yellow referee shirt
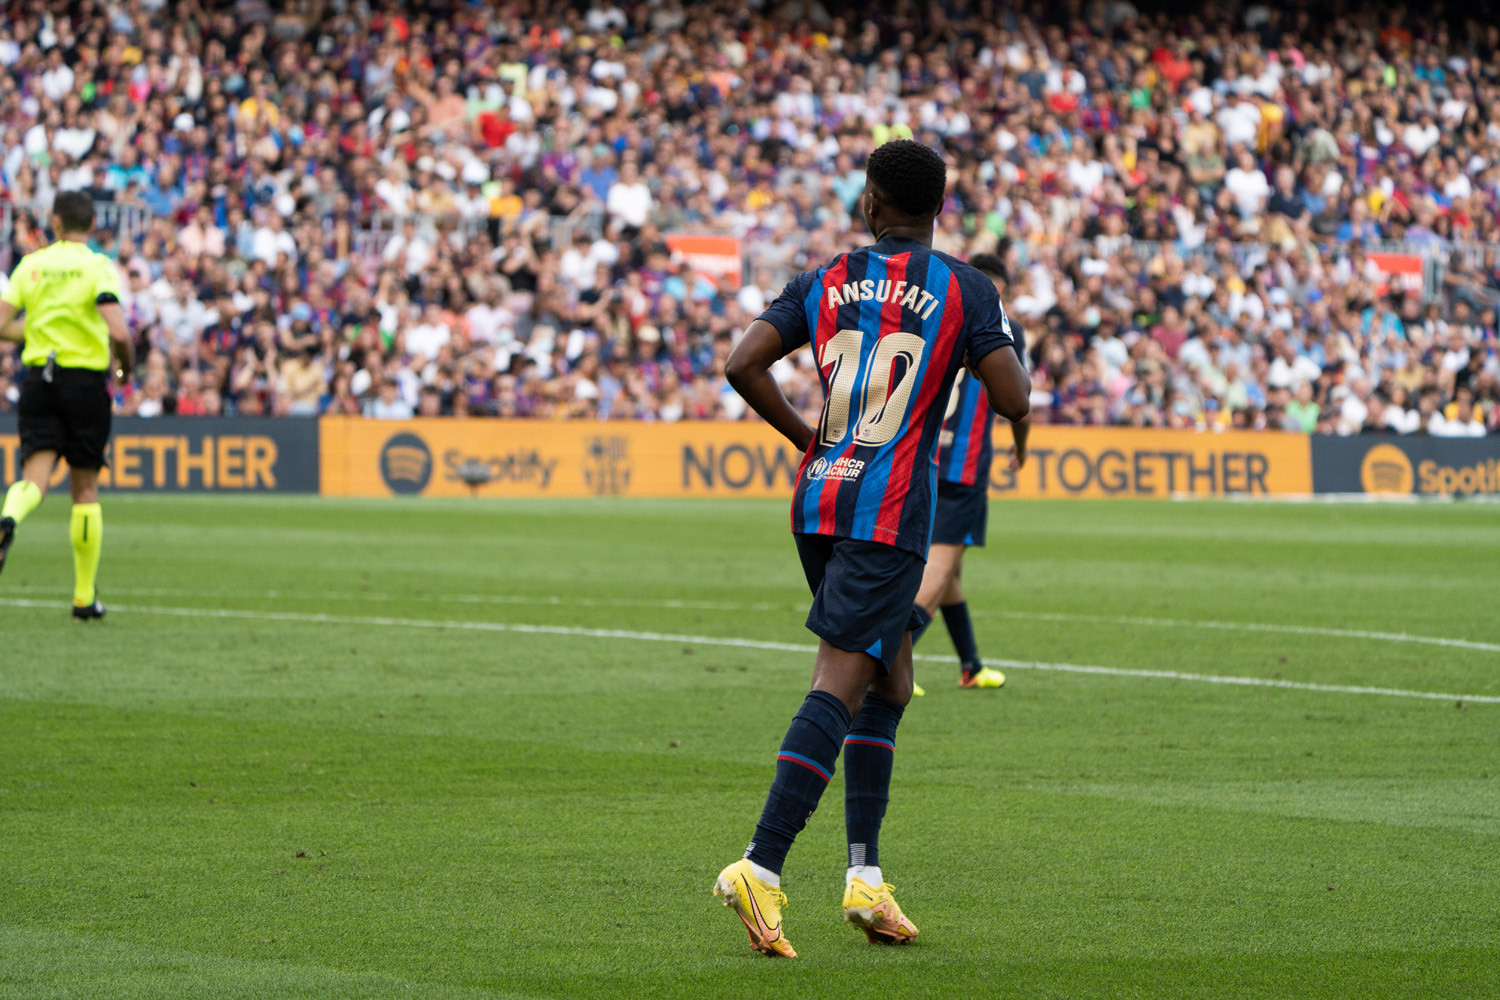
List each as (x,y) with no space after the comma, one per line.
(59,288)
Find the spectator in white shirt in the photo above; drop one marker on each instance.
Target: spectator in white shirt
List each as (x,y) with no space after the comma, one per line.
(36,140)
(754,295)
(1456,357)
(578,267)
(1397,417)
(388,404)
(490,322)
(394,192)
(605,70)
(1198,283)
(1354,408)
(390,115)
(629,200)
(76,178)
(416,250)
(1086,175)
(57,79)
(429,336)
(1240,121)
(605,17)
(272,239)
(1421,135)
(74,140)
(1248,185)
(1460,418)
(1291,369)
(183,317)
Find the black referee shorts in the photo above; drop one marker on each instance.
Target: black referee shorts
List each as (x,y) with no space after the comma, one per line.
(69,415)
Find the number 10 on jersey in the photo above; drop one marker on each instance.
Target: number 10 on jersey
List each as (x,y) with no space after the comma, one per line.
(876,409)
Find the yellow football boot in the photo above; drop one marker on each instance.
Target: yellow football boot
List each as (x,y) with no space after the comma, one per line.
(917,691)
(758,904)
(875,911)
(984,677)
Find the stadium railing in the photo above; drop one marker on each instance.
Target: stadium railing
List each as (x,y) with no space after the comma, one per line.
(1434,259)
(128,222)
(372,239)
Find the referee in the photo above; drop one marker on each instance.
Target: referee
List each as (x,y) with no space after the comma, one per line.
(73,323)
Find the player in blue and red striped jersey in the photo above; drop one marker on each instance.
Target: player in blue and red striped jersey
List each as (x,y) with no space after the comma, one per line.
(965,453)
(890,326)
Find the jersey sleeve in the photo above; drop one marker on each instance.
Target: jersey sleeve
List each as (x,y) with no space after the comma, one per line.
(788,314)
(989,329)
(106,280)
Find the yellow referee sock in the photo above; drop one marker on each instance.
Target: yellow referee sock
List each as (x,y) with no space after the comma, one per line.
(21,499)
(87,532)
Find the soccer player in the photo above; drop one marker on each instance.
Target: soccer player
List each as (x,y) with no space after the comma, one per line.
(890,326)
(964,456)
(73,323)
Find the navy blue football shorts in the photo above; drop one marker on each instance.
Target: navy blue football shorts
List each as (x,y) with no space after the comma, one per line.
(962,514)
(864,594)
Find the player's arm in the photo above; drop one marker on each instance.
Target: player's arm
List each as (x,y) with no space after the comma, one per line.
(749,372)
(1005,383)
(120,343)
(1019,431)
(994,356)
(779,331)
(10,329)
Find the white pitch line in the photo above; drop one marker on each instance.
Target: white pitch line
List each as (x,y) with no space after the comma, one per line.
(524,600)
(1335,633)
(542,601)
(738,643)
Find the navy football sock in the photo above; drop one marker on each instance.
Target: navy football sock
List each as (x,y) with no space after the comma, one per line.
(869,753)
(956,617)
(803,769)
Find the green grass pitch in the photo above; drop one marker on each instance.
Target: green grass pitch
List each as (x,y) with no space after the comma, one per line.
(305,758)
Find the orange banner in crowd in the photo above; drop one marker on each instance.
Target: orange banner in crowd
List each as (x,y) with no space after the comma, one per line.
(1404,270)
(523,458)
(712,257)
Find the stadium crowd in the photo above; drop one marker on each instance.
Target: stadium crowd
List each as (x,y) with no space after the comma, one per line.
(460,208)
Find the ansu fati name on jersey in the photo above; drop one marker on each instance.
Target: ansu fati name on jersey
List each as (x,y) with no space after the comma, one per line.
(914,297)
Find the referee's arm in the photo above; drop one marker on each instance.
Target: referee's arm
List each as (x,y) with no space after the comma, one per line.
(10,329)
(120,343)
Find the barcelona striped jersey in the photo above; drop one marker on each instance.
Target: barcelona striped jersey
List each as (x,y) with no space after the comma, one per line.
(965,447)
(890,325)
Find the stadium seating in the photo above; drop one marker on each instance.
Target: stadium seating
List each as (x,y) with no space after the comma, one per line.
(1210,223)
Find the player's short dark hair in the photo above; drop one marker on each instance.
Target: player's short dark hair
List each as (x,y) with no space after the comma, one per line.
(990,264)
(910,176)
(75,211)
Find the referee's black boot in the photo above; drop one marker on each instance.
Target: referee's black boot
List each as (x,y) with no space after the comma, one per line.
(89,612)
(7,535)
